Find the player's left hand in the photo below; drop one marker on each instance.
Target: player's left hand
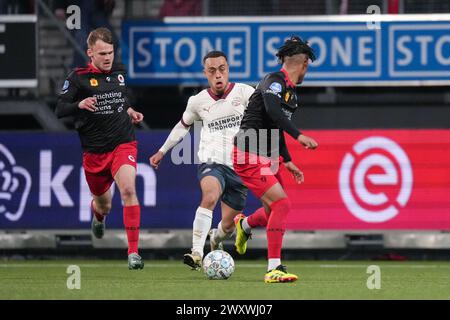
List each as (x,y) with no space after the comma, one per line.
(135,116)
(298,175)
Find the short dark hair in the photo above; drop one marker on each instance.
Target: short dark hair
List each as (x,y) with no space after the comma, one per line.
(295,45)
(215,54)
(99,34)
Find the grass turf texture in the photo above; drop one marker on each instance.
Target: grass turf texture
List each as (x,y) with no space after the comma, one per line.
(107,279)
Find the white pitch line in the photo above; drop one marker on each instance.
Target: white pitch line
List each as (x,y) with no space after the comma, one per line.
(120,265)
(336,266)
(81,265)
(50,265)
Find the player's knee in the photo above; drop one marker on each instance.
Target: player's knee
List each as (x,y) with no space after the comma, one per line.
(283,205)
(286,203)
(228,226)
(209,201)
(128,193)
(103,208)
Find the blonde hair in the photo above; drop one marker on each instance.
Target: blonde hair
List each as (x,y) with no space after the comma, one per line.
(99,34)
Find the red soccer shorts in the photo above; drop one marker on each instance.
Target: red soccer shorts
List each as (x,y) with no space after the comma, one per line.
(258,173)
(100,168)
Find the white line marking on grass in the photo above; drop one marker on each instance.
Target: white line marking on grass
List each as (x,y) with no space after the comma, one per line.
(62,265)
(350,266)
(251,265)
(119,265)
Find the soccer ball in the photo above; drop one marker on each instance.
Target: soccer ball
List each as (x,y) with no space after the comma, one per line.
(218,265)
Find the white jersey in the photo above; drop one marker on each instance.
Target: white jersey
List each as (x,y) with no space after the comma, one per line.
(221,119)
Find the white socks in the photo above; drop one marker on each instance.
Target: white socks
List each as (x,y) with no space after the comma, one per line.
(202,224)
(273,263)
(221,235)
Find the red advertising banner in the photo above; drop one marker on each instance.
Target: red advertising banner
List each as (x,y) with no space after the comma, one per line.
(372,179)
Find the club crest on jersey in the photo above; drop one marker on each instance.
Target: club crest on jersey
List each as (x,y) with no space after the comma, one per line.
(121,79)
(275,87)
(94,82)
(236,101)
(65,87)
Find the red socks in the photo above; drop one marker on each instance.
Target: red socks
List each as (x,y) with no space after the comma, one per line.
(131,220)
(276,226)
(275,223)
(258,218)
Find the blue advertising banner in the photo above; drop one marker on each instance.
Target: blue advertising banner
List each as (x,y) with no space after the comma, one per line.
(42,185)
(351,50)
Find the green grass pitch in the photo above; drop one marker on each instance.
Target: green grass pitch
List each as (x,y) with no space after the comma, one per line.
(110,279)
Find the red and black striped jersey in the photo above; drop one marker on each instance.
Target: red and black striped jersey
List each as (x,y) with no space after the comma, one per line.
(100,131)
(268,115)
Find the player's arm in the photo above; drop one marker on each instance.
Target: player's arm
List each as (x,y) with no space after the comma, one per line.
(127,94)
(287,161)
(271,90)
(135,116)
(177,134)
(284,152)
(68,103)
(296,172)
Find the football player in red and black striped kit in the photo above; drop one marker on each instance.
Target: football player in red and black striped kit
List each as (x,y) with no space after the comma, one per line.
(260,147)
(96,97)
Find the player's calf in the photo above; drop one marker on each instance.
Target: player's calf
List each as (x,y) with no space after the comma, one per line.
(98,222)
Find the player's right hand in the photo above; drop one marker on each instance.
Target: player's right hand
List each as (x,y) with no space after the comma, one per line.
(307,142)
(155,159)
(88,104)
(296,173)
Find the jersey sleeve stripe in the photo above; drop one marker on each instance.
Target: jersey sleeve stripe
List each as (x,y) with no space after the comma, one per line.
(184,123)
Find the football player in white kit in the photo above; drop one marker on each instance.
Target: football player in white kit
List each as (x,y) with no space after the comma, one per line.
(220,108)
